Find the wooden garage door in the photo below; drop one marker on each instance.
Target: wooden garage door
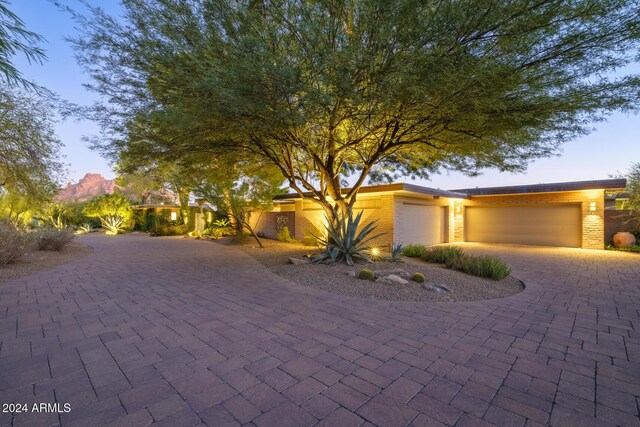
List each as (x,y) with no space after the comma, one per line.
(422,224)
(559,225)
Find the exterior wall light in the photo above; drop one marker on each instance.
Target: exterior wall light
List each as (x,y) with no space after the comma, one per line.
(174,216)
(458,209)
(592,206)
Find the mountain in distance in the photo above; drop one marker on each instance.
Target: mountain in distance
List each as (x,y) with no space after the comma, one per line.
(90,186)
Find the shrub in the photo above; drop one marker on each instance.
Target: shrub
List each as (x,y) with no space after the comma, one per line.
(344,242)
(366,274)
(284,235)
(15,242)
(418,278)
(442,254)
(52,239)
(169,230)
(414,251)
(219,228)
(635,248)
(481,266)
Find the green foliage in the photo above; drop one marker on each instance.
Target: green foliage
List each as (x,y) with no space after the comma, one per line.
(481,266)
(418,278)
(30,150)
(366,274)
(219,228)
(363,89)
(84,228)
(635,248)
(52,239)
(442,254)
(114,211)
(284,236)
(633,187)
(414,251)
(397,249)
(170,230)
(15,242)
(14,39)
(344,242)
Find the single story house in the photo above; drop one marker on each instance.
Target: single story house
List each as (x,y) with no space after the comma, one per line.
(567,214)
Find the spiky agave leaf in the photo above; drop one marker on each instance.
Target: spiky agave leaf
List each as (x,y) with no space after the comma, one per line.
(344,242)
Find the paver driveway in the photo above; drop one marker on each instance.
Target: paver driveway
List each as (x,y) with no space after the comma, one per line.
(187,332)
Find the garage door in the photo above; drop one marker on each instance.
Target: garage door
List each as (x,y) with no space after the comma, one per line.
(421,224)
(559,225)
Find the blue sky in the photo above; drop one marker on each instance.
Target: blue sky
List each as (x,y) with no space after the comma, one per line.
(611,147)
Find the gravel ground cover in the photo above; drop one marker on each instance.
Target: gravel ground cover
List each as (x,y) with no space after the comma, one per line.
(336,279)
(34,261)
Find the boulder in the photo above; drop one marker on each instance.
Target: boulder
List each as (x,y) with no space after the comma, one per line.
(298,261)
(392,280)
(395,272)
(623,239)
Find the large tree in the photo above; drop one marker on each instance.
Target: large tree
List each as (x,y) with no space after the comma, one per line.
(334,90)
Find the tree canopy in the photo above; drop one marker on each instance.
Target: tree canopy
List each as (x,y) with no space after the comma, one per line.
(14,39)
(29,148)
(330,91)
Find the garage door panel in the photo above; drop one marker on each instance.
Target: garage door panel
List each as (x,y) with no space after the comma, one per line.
(528,225)
(422,224)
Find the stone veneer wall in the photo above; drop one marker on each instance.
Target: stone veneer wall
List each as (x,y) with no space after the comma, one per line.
(592,221)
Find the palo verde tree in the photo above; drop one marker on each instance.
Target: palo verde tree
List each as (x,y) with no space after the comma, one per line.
(333,93)
(241,190)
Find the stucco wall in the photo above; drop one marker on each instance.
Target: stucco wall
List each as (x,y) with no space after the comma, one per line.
(592,221)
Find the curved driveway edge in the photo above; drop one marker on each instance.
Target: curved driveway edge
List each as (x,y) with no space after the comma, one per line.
(181,332)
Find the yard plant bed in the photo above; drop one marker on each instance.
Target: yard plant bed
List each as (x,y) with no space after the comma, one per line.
(334,278)
(34,261)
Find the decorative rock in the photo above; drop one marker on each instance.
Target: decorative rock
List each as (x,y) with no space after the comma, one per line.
(298,261)
(396,272)
(392,279)
(350,273)
(623,239)
(441,289)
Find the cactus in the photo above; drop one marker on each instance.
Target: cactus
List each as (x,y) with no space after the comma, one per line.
(366,274)
(418,278)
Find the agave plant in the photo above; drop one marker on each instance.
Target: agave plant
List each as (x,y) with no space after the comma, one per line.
(344,242)
(396,250)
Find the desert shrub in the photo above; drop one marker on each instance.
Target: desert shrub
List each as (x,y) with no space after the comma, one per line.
(418,278)
(284,235)
(52,239)
(442,254)
(481,266)
(344,242)
(366,274)
(414,251)
(635,248)
(15,242)
(169,230)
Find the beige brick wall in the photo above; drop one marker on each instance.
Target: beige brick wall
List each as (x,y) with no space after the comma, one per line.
(592,221)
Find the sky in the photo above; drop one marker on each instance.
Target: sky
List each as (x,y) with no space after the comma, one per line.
(611,147)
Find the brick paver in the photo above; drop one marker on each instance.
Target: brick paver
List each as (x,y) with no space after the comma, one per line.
(181,332)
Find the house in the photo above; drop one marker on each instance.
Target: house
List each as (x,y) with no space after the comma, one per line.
(149,216)
(567,214)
